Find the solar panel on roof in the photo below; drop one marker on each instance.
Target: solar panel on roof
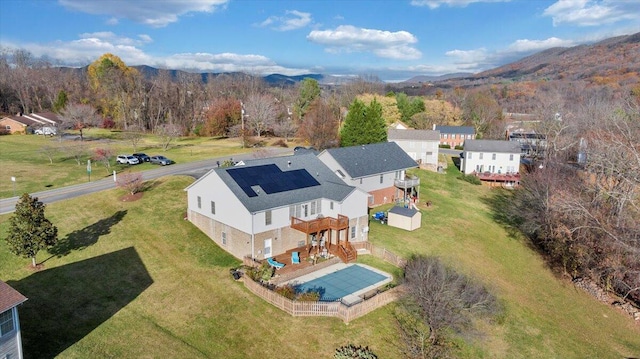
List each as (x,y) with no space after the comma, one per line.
(271,179)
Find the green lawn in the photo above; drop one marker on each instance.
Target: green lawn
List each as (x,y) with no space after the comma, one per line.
(22,157)
(134,279)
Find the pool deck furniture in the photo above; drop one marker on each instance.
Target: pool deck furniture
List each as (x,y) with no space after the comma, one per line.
(295,258)
(277,265)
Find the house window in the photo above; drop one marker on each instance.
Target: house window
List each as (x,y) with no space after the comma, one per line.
(353,232)
(331,205)
(224,238)
(6,322)
(267,217)
(493,156)
(360,180)
(469,155)
(7,127)
(319,206)
(370,200)
(445,136)
(381,178)
(468,137)
(213,207)
(313,208)
(511,157)
(429,153)
(481,155)
(199,202)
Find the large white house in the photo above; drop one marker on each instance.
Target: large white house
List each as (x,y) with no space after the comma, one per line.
(420,145)
(10,338)
(266,207)
(378,169)
(492,160)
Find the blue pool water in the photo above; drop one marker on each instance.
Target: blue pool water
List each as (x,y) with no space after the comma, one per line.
(334,286)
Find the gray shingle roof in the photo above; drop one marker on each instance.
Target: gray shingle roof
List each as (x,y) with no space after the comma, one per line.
(375,158)
(417,135)
(463,130)
(402,211)
(492,146)
(331,186)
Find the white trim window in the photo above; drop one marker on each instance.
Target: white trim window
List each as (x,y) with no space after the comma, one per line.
(224,238)
(199,202)
(267,217)
(353,232)
(6,322)
(213,207)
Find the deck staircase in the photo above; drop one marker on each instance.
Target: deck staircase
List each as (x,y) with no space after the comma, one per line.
(347,253)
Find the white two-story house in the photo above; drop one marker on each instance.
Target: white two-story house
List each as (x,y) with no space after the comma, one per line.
(492,160)
(10,338)
(378,169)
(420,145)
(266,207)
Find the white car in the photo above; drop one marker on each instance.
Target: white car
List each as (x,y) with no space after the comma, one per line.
(127,160)
(48,131)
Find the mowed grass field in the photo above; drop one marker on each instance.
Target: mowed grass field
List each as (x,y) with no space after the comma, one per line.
(22,157)
(135,280)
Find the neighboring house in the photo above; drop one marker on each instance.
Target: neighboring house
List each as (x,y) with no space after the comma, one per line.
(10,339)
(531,144)
(21,123)
(399,125)
(455,135)
(493,161)
(266,207)
(378,169)
(17,124)
(420,145)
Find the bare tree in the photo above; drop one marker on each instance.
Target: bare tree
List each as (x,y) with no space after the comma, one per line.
(49,151)
(134,135)
(319,126)
(447,300)
(168,133)
(78,151)
(260,113)
(79,117)
(130,181)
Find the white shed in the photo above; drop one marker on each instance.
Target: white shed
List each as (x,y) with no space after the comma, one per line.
(405,218)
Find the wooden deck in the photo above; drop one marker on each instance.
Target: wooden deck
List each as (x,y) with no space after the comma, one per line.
(306,254)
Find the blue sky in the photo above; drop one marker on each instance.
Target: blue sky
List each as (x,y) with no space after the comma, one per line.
(392,39)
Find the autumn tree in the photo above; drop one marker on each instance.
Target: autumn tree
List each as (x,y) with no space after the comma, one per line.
(390,111)
(29,230)
(483,112)
(363,125)
(130,181)
(221,115)
(319,126)
(104,156)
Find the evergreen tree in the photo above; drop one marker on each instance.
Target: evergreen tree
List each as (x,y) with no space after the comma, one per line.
(29,230)
(363,125)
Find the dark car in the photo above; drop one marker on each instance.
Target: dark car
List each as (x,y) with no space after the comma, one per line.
(142,157)
(160,160)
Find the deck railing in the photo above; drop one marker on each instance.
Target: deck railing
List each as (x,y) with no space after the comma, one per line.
(407,182)
(320,224)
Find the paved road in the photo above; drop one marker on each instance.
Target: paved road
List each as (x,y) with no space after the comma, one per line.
(195,169)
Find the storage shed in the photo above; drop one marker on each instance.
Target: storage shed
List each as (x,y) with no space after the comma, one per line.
(405,218)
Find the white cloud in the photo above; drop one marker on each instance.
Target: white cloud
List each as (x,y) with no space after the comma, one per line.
(386,44)
(434,4)
(90,46)
(292,20)
(538,45)
(152,13)
(593,12)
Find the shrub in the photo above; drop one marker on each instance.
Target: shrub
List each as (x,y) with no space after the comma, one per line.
(445,146)
(287,291)
(471,179)
(280,143)
(458,147)
(310,296)
(352,351)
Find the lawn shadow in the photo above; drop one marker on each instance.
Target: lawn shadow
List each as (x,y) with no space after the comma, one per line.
(500,203)
(67,303)
(87,236)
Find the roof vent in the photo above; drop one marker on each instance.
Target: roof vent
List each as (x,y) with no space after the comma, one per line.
(288,163)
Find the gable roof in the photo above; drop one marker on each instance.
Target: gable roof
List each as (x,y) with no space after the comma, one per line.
(371,159)
(49,118)
(463,130)
(22,119)
(317,181)
(492,146)
(9,297)
(416,135)
(403,211)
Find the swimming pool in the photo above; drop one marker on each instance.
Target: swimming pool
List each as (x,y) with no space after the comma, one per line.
(341,280)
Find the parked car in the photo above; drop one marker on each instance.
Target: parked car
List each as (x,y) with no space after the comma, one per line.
(160,160)
(47,131)
(127,160)
(141,157)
